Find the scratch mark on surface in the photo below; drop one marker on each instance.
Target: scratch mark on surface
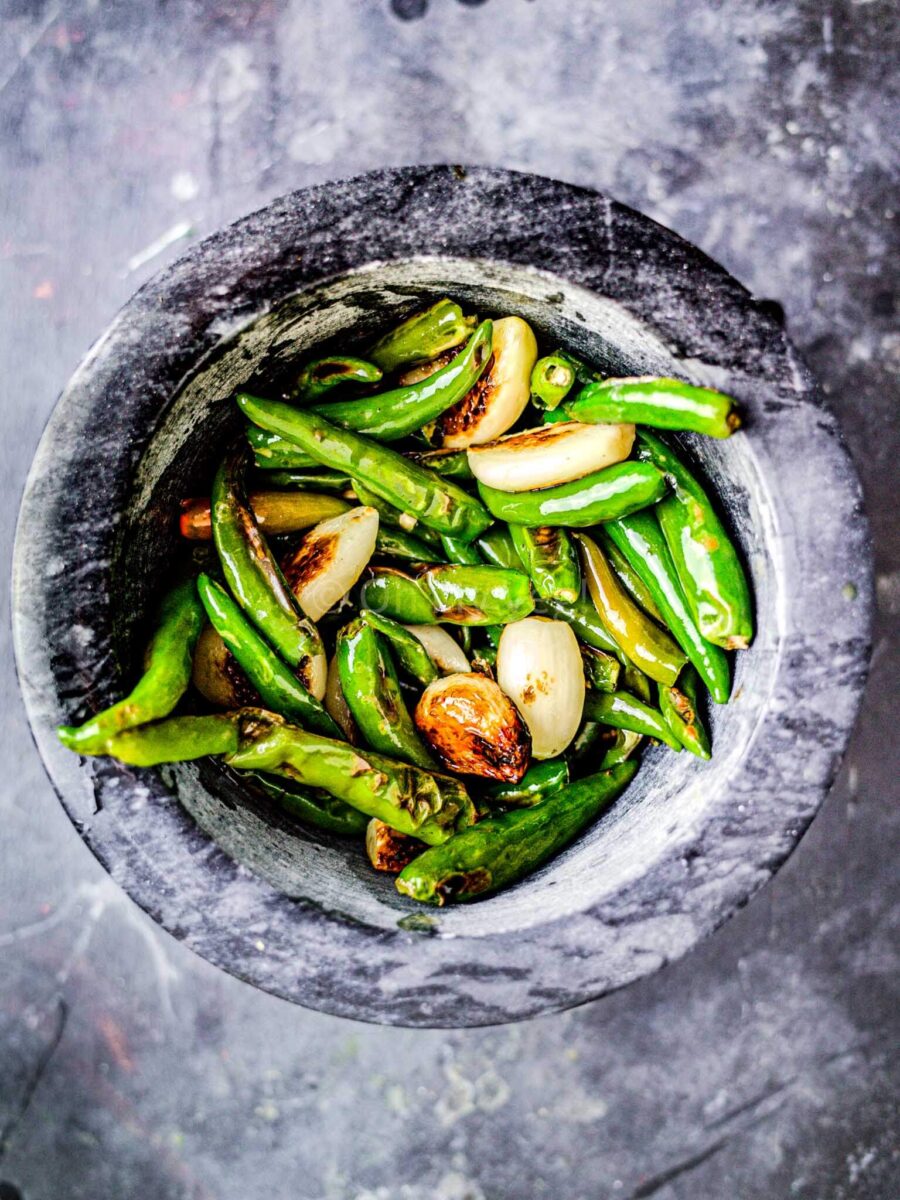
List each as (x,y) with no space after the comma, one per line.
(34,1079)
(656,1182)
(181,229)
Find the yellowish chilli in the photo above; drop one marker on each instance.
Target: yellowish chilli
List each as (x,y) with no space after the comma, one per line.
(549,455)
(499,397)
(539,667)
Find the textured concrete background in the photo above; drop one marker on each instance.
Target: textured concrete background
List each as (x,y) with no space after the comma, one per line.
(764,1064)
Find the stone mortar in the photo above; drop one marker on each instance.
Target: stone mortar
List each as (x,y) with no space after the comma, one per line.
(142,422)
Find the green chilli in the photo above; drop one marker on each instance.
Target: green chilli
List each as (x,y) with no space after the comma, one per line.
(601,670)
(389,416)
(164,681)
(451,464)
(408,650)
(496,547)
(390,593)
(661,403)
(623,711)
(709,569)
(640,539)
(372,691)
(428,805)
(483,595)
(435,501)
(550,559)
(255,580)
(422,336)
(321,375)
(601,496)
(499,850)
(278,686)
(271,452)
(552,378)
(541,780)
(312,806)
(679,707)
(178,739)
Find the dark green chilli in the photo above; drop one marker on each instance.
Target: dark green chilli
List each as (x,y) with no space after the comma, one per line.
(499,850)
(709,569)
(321,376)
(483,595)
(389,416)
(542,779)
(312,806)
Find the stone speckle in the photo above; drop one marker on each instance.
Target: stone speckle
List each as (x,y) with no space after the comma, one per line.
(774,149)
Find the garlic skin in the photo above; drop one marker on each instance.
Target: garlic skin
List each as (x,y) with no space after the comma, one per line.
(539,667)
(216,675)
(499,397)
(474,728)
(330,559)
(448,655)
(336,704)
(549,455)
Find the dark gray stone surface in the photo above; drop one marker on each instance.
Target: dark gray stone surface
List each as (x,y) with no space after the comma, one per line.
(760,1065)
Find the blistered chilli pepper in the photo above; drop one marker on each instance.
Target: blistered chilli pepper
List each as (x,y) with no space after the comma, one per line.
(662,403)
(256,581)
(620,747)
(275,512)
(372,691)
(500,850)
(397,543)
(178,739)
(318,378)
(430,806)
(641,639)
(554,416)
(549,558)
(389,592)
(640,539)
(393,518)
(551,380)
(602,496)
(481,595)
(436,502)
(451,464)
(312,806)
(278,686)
(601,669)
(388,416)
(541,780)
(496,547)
(422,336)
(624,711)
(273,452)
(309,479)
(631,581)
(585,620)
(462,553)
(409,651)
(165,679)
(678,706)
(709,569)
